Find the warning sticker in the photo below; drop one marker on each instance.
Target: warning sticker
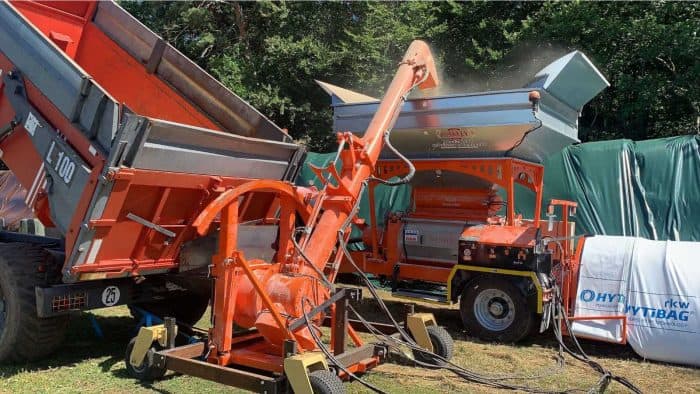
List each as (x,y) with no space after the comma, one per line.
(31,124)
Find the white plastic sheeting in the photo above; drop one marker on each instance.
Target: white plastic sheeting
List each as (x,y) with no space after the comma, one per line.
(655,284)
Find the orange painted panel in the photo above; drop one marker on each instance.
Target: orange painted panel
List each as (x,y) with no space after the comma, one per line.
(54,24)
(126,79)
(522,236)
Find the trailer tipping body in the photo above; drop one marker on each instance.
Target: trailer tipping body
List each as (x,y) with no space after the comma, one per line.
(120,139)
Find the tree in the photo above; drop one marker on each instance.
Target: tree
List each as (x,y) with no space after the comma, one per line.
(649,53)
(270,53)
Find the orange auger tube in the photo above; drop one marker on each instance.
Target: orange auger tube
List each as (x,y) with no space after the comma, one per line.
(266,293)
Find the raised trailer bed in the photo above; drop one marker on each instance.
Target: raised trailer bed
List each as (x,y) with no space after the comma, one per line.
(119,140)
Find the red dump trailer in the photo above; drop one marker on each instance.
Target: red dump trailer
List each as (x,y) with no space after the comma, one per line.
(119,140)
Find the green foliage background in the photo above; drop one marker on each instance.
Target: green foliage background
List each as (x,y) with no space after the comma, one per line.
(269,53)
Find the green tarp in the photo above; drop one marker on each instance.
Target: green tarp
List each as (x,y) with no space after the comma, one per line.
(387,198)
(649,189)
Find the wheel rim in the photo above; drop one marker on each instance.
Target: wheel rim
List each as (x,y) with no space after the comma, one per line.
(494,309)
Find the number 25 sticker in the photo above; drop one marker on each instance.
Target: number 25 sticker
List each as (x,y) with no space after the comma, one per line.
(110,295)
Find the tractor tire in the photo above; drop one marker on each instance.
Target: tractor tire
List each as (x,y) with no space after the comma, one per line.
(23,335)
(325,382)
(187,309)
(147,371)
(443,346)
(495,310)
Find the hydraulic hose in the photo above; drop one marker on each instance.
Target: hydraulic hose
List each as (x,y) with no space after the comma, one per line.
(411,168)
(492,381)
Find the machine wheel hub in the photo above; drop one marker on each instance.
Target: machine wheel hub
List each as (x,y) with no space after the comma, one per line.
(494,309)
(497,308)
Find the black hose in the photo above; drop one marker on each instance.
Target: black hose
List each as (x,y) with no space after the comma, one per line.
(525,134)
(411,168)
(330,355)
(321,275)
(408,341)
(606,375)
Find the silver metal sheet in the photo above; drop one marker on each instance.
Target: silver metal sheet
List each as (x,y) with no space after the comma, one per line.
(221,105)
(487,124)
(176,147)
(57,77)
(472,125)
(167,158)
(253,240)
(432,240)
(178,134)
(573,79)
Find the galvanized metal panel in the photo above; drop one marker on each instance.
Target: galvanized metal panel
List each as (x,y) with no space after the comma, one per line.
(57,77)
(98,117)
(255,241)
(175,159)
(490,124)
(434,240)
(573,79)
(221,105)
(63,174)
(176,147)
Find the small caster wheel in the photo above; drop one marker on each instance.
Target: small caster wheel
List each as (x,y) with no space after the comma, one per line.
(443,346)
(326,382)
(147,371)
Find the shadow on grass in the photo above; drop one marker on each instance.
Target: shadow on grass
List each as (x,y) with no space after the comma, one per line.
(81,343)
(121,373)
(451,320)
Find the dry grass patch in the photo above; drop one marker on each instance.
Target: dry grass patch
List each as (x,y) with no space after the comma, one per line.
(86,364)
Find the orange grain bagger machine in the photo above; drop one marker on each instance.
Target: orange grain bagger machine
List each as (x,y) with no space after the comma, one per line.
(460,239)
(160,184)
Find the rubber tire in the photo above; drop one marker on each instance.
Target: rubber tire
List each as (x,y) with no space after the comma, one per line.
(325,382)
(187,309)
(524,320)
(443,346)
(25,337)
(147,372)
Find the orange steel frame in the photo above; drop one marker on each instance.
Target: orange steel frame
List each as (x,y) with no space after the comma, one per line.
(168,199)
(256,294)
(269,297)
(504,172)
(569,274)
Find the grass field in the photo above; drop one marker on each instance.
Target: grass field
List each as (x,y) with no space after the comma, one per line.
(85,364)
